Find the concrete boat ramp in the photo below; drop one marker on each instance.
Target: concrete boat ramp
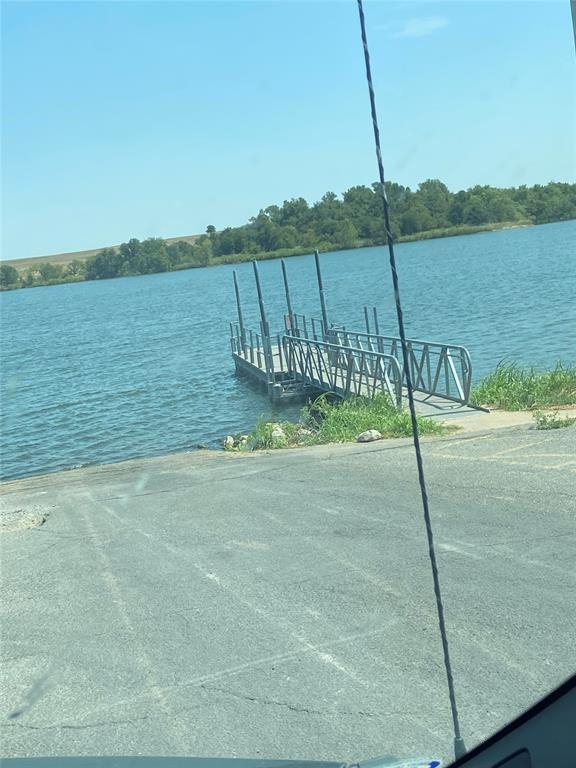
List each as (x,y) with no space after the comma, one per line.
(280,604)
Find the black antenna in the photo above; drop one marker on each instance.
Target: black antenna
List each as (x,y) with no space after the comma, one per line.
(459,748)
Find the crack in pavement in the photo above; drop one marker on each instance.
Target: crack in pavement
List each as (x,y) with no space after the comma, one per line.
(286,704)
(188,486)
(69,726)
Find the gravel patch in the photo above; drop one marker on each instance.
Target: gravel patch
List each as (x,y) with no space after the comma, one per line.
(12,520)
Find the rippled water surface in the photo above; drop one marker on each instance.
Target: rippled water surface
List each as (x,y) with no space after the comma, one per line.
(102,371)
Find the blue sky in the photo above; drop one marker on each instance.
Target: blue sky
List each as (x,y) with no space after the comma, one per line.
(148,119)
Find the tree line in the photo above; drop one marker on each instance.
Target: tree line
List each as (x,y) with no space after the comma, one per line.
(334,222)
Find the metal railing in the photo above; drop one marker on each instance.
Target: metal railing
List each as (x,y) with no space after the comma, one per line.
(305,327)
(354,362)
(435,368)
(258,349)
(343,370)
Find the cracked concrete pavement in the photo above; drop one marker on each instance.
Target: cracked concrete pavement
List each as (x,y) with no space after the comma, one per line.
(280,604)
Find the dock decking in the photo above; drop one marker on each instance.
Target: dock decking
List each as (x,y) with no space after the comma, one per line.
(296,367)
(311,356)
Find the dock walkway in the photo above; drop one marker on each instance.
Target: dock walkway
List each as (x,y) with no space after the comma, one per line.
(311,356)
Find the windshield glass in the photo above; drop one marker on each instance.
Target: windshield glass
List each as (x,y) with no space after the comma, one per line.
(252,505)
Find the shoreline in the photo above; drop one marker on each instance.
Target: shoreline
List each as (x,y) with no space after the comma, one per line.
(471,424)
(282,253)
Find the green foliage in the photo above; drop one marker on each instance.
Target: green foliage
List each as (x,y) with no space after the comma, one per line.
(28,279)
(75,268)
(552,420)
(461,229)
(416,219)
(343,421)
(9,277)
(334,222)
(512,388)
(152,257)
(146,257)
(51,273)
(326,421)
(551,202)
(262,436)
(179,253)
(436,199)
(106,264)
(355,218)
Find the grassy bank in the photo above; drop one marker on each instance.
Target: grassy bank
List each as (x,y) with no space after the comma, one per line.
(324,422)
(509,387)
(464,229)
(513,388)
(430,234)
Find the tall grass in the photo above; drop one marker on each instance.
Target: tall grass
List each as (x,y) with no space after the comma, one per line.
(513,388)
(264,435)
(326,421)
(463,229)
(343,421)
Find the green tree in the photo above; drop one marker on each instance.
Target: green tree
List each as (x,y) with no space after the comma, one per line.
(75,268)
(456,210)
(152,257)
(331,222)
(361,206)
(266,232)
(180,252)
(203,251)
(496,205)
(345,234)
(130,257)
(51,272)
(9,277)
(29,278)
(475,210)
(274,214)
(105,264)
(416,219)
(502,208)
(295,212)
(399,197)
(435,196)
(288,237)
(553,202)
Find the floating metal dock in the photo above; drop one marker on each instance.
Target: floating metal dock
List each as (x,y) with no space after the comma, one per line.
(310,356)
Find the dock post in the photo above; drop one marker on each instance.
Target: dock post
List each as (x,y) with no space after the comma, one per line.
(377,331)
(321,291)
(233,340)
(240,316)
(288,299)
(264,324)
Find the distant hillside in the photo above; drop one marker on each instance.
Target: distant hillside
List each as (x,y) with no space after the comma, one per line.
(351,220)
(63,259)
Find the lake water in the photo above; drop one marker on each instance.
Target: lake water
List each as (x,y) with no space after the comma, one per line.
(102,371)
